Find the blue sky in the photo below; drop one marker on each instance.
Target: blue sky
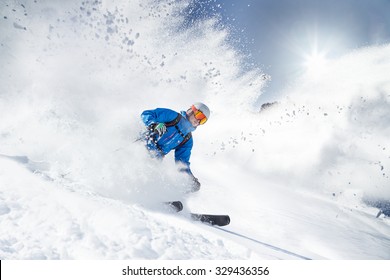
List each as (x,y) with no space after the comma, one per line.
(280,35)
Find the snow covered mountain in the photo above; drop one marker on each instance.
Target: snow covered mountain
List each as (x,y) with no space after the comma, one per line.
(297,178)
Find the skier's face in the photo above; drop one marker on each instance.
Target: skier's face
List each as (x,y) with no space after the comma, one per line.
(195,116)
(193,120)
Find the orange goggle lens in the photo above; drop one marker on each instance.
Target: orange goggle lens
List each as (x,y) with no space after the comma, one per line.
(199,115)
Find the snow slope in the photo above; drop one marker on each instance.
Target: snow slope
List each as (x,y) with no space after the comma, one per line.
(74,183)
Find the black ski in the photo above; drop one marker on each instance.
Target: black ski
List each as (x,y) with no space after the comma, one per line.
(214,220)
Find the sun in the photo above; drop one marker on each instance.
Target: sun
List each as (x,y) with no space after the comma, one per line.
(315,63)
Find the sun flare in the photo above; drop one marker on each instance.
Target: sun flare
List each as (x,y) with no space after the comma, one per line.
(315,63)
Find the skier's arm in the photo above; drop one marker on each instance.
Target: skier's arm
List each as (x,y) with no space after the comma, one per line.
(182,156)
(179,159)
(158,115)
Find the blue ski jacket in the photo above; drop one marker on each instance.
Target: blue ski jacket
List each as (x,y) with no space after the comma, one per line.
(173,137)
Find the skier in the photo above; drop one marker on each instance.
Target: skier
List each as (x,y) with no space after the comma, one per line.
(168,130)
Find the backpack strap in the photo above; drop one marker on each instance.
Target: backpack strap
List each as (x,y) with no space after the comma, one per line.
(185,140)
(174,123)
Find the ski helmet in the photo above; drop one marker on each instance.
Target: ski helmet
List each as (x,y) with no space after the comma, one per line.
(201,112)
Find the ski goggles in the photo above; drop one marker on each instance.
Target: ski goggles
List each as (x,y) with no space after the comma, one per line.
(199,115)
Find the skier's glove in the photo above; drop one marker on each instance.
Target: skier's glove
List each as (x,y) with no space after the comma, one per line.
(195,185)
(159,128)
